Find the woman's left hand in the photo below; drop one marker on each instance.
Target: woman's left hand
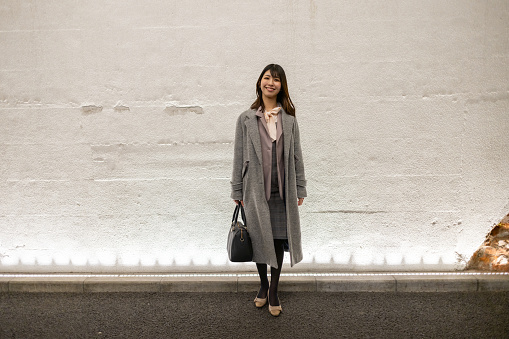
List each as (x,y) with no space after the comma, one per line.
(301,201)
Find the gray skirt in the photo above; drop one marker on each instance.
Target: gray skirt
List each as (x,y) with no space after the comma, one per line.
(277,216)
(277,206)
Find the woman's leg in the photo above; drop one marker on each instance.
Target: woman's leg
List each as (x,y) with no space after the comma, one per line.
(276,272)
(264,281)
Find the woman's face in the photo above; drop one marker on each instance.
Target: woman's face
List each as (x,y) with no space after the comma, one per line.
(270,85)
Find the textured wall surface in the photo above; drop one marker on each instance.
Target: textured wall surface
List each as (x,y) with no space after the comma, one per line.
(117,120)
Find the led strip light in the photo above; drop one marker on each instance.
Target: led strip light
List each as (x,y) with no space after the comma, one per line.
(170,275)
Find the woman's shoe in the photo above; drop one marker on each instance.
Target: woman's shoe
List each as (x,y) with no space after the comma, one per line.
(259,302)
(275,310)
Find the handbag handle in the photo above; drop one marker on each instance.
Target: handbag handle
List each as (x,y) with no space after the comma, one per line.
(236,213)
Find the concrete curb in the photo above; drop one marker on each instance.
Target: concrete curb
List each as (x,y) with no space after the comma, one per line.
(232,283)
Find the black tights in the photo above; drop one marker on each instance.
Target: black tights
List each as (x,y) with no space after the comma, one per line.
(274,274)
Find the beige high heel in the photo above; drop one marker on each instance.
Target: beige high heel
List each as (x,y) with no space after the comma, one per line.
(275,310)
(259,302)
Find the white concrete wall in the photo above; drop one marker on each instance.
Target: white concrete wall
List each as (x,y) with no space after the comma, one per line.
(117,119)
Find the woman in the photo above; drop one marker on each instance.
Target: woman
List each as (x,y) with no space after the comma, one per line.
(268,180)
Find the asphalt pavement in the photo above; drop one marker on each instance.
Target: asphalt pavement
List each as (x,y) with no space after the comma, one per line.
(233,315)
(323,305)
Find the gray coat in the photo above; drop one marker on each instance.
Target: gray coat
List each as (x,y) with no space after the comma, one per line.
(248,184)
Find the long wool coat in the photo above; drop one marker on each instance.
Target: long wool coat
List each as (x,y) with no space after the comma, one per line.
(248,184)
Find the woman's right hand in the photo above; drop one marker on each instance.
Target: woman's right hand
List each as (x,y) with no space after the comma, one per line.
(241,201)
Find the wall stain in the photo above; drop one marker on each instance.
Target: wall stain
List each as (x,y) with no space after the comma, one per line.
(121,108)
(183,110)
(91,109)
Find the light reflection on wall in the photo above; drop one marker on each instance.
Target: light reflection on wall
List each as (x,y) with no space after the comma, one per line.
(360,259)
(106,259)
(44,260)
(78,260)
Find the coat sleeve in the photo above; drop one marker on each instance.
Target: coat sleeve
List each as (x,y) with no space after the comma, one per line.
(236,181)
(299,164)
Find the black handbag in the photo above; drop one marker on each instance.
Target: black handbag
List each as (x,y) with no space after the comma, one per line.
(240,248)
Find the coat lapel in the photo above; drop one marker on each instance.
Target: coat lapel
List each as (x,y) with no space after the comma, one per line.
(253,133)
(287,132)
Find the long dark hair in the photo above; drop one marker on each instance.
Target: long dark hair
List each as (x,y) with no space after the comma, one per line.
(283,96)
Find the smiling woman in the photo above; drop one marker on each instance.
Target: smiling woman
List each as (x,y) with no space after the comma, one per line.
(268,179)
(270,85)
(272,88)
